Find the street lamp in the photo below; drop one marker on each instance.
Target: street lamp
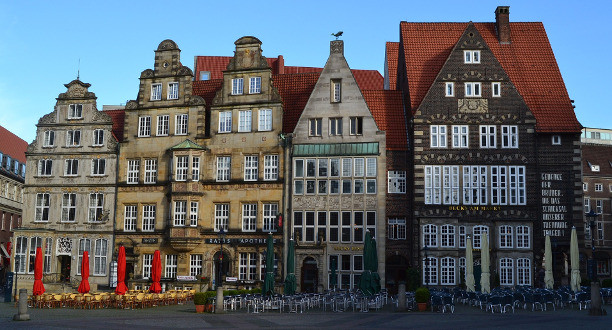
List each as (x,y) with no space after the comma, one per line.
(426,265)
(595,295)
(221,237)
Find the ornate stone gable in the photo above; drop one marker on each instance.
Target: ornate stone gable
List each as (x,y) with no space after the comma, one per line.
(77,90)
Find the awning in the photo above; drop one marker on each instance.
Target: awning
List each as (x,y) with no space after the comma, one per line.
(335,149)
(4,252)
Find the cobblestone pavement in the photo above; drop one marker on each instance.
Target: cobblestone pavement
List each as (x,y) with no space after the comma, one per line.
(184,316)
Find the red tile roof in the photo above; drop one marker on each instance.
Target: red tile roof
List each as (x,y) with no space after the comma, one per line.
(387,107)
(295,90)
(597,155)
(118,117)
(529,62)
(12,145)
(391,53)
(207,89)
(368,79)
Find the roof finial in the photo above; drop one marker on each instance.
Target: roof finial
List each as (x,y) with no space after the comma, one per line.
(79,69)
(337,34)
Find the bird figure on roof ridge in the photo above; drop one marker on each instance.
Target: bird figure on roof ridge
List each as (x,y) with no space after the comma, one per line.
(337,34)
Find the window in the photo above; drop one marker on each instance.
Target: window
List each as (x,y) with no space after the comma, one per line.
(237,86)
(96,205)
(471,56)
(47,255)
(335,126)
(98,137)
(509,136)
(487,136)
(147,262)
(598,187)
(432,184)
(173,91)
(448,236)
(472,89)
(496,89)
(396,229)
(249,217)
(506,271)
(150,171)
(148,217)
(20,254)
(100,257)
(265,120)
(223,168)
(247,269)
(144,126)
(193,214)
(599,206)
(44,167)
(595,168)
(35,242)
(517,185)
(98,166)
(129,218)
(225,121)
(505,237)
(450,185)
(430,235)
(180,127)
(449,89)
(556,140)
(462,236)
(182,165)
(68,207)
(221,216)
(359,167)
(356,124)
(250,168)
(270,167)
(478,231)
(163,125)
(397,182)
(171,265)
(523,271)
(75,111)
(430,271)
(438,136)
(447,271)
(133,171)
(333,228)
(315,126)
(460,136)
(310,227)
(254,85)
(600,230)
(84,245)
(336,90)
(71,167)
(49,139)
(244,121)
(499,185)
(358,226)
(270,211)
(73,138)
(180,212)
(42,207)
(587,205)
(298,225)
(204,75)
(156,92)
(195,168)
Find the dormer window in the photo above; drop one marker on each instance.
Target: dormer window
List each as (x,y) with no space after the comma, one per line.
(237,86)
(471,56)
(254,85)
(556,140)
(204,75)
(336,90)
(173,92)
(472,89)
(76,111)
(156,92)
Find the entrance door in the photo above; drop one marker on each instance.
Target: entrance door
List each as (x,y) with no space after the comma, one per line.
(64,262)
(310,275)
(395,272)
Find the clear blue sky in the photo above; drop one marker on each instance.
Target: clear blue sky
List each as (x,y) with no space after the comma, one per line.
(41,42)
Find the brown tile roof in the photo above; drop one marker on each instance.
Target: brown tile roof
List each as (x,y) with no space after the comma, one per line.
(118,117)
(529,62)
(391,53)
(597,155)
(387,107)
(12,145)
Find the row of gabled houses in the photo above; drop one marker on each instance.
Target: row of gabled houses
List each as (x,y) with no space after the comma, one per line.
(466,134)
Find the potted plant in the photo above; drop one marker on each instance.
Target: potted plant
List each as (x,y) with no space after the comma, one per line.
(200,300)
(210,297)
(422,296)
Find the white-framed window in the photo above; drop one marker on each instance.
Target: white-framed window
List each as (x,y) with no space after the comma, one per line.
(505,237)
(396,229)
(193,214)
(84,245)
(447,271)
(21,250)
(430,235)
(96,207)
(98,137)
(598,187)
(171,265)
(250,167)
(182,165)
(75,111)
(68,207)
(144,126)
(488,136)
(587,205)
(556,140)
(244,120)
(49,139)
(270,211)
(195,168)
(254,85)
(496,89)
(180,213)
(449,89)
(129,218)
(595,168)
(509,135)
(223,168)
(335,126)
(462,236)
(156,92)
(221,216)
(523,271)
(35,242)
(506,271)
(356,125)
(225,121)
(430,271)
(396,182)
(600,230)
(437,136)
(42,207)
(173,91)
(472,89)
(73,138)
(447,235)
(315,126)
(460,136)
(100,253)
(47,255)
(499,185)
(163,125)
(471,56)
(150,171)
(204,75)
(147,263)
(133,171)
(359,167)
(45,167)
(98,166)
(148,217)
(336,90)
(180,126)
(249,217)
(450,185)
(265,119)
(270,167)
(478,231)
(517,187)
(71,167)
(432,184)
(370,167)
(237,86)
(599,206)
(247,266)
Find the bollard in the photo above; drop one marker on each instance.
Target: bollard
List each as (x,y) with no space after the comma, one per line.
(219,307)
(22,311)
(596,309)
(401,297)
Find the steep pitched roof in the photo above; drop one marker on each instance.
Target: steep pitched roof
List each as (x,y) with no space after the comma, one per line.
(368,79)
(391,53)
(597,155)
(118,117)
(12,145)
(387,107)
(294,89)
(529,62)
(207,89)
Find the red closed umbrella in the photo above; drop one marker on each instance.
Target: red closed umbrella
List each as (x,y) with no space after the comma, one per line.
(121,289)
(39,288)
(84,286)
(156,273)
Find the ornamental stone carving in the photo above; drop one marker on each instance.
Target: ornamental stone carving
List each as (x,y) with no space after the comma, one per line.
(49,118)
(167,45)
(184,71)
(196,100)
(131,105)
(148,73)
(336,47)
(64,246)
(473,105)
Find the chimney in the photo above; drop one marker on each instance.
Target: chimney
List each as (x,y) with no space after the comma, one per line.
(336,47)
(502,24)
(280,65)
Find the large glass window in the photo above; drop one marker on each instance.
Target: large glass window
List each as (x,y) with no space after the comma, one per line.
(430,271)
(84,245)
(45,167)
(182,165)
(148,217)
(505,237)
(133,170)
(98,166)
(21,249)
(180,127)
(315,126)
(270,210)
(42,207)
(73,138)
(144,126)
(244,121)
(237,86)
(96,207)
(223,168)
(171,265)
(447,271)
(180,213)
(173,91)
(100,257)
(509,136)
(460,136)
(163,125)
(487,136)
(250,168)
(430,235)
(506,271)
(195,264)
(448,236)
(254,85)
(523,271)
(98,137)
(478,231)
(221,217)
(523,241)
(75,111)
(265,120)
(396,229)
(437,136)
(225,121)
(270,167)
(193,214)
(150,171)
(129,219)
(249,217)
(71,167)
(68,207)
(147,262)
(156,91)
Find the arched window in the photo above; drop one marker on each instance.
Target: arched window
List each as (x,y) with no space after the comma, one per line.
(523,241)
(100,256)
(430,271)
(506,271)
(478,231)
(505,237)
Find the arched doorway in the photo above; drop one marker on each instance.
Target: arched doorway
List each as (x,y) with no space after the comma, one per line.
(310,275)
(225,266)
(395,272)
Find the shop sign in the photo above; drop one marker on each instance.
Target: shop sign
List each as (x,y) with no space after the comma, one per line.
(231,279)
(149,241)
(347,248)
(185,278)
(240,241)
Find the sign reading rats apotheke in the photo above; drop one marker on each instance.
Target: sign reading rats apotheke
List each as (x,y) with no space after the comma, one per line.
(240,241)
(555,210)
